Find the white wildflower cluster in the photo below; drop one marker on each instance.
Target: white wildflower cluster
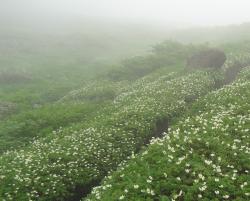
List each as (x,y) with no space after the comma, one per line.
(207,153)
(51,167)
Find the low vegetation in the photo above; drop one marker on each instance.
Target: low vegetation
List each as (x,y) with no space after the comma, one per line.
(6,109)
(68,118)
(207,58)
(205,156)
(68,162)
(20,129)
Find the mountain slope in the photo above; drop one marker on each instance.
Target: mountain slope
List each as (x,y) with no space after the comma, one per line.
(203,157)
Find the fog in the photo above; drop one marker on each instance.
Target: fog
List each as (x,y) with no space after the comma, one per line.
(175,13)
(87,85)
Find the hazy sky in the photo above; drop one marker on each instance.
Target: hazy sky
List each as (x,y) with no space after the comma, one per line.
(193,12)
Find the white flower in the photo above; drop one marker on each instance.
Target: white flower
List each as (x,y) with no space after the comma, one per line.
(201,177)
(203,188)
(136,186)
(121,197)
(217,192)
(208,162)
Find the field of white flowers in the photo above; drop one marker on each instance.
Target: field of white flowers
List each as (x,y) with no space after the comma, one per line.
(205,156)
(105,122)
(67,163)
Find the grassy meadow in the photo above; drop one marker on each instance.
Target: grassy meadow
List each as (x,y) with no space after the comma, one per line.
(114,116)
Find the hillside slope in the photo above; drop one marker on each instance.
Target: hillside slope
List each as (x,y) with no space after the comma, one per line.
(203,157)
(104,121)
(66,164)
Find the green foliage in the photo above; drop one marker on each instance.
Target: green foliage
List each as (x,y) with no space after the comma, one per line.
(72,160)
(6,108)
(22,128)
(96,91)
(205,156)
(70,127)
(234,65)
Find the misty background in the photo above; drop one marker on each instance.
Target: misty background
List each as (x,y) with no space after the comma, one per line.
(163,12)
(65,40)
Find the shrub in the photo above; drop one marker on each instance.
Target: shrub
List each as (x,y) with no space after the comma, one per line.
(207,58)
(234,65)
